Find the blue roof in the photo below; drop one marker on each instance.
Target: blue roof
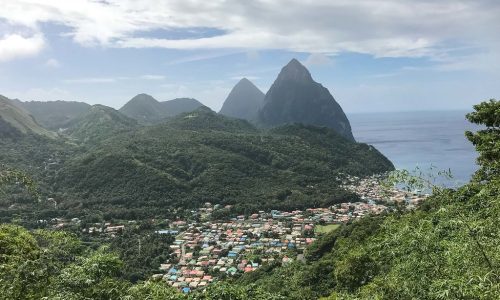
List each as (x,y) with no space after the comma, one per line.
(167,231)
(186,290)
(172,271)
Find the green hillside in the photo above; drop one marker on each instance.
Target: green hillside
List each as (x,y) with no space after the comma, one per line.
(99,123)
(54,115)
(15,120)
(446,249)
(202,156)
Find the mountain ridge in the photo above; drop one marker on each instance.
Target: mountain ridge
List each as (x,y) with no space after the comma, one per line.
(53,115)
(16,120)
(147,110)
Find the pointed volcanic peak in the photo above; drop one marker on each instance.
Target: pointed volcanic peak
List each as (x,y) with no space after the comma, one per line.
(15,121)
(295,97)
(143,108)
(244,101)
(100,123)
(54,115)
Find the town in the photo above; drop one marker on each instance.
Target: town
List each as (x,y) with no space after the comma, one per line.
(207,250)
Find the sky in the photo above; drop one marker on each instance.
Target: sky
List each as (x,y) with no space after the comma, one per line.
(393,55)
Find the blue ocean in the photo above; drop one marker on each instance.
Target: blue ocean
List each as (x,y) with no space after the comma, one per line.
(421,139)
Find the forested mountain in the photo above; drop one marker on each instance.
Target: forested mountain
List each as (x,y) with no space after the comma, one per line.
(104,161)
(295,97)
(243,102)
(15,121)
(201,156)
(147,110)
(54,115)
(99,123)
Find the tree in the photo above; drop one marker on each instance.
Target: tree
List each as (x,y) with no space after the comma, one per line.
(486,141)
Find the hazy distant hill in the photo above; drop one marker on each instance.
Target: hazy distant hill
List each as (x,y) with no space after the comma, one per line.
(180,105)
(15,121)
(203,156)
(54,114)
(295,97)
(99,123)
(147,110)
(243,102)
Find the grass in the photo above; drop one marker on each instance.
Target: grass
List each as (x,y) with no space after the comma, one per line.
(325,228)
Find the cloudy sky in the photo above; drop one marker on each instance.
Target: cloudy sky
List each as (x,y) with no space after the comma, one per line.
(392,55)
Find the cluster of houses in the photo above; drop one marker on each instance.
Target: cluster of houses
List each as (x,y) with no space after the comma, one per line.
(206,251)
(371,190)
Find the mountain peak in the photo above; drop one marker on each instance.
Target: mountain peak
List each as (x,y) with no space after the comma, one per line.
(143,98)
(244,80)
(100,123)
(244,101)
(295,71)
(295,97)
(245,83)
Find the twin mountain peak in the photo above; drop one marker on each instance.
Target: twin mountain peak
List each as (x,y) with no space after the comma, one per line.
(294,97)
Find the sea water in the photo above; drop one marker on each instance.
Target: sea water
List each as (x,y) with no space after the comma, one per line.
(430,139)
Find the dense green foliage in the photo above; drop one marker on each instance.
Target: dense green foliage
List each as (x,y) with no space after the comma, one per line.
(487,141)
(142,253)
(99,123)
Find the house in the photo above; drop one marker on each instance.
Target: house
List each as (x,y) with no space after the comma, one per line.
(232,271)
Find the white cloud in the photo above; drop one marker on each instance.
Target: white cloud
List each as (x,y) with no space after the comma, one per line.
(92,80)
(52,63)
(86,80)
(14,46)
(318,59)
(390,28)
(152,77)
(201,57)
